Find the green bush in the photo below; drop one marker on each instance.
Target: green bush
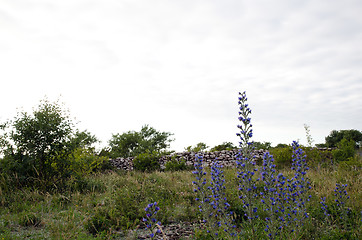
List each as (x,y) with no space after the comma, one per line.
(317,158)
(147,162)
(354,163)
(282,156)
(176,165)
(346,150)
(84,162)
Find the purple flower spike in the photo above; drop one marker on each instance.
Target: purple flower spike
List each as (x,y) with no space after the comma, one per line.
(151,210)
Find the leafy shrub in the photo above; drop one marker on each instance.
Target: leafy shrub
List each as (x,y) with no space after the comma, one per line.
(354,163)
(316,157)
(346,149)
(147,162)
(282,156)
(176,165)
(17,172)
(85,161)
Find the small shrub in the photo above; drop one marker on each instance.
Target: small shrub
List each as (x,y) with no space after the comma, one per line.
(147,162)
(354,163)
(346,149)
(282,156)
(176,165)
(314,156)
(85,161)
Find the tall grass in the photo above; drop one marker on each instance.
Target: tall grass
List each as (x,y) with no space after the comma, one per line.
(117,201)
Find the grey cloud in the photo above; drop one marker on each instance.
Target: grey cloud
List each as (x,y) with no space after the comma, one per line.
(299,61)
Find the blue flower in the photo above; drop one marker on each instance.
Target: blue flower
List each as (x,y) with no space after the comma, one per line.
(151,210)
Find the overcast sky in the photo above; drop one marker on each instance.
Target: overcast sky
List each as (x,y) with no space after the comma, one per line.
(179,65)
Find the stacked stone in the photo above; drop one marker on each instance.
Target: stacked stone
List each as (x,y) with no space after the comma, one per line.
(225,158)
(122,163)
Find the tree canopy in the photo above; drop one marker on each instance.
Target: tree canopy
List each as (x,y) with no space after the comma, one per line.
(133,143)
(262,145)
(224,146)
(39,146)
(199,147)
(335,137)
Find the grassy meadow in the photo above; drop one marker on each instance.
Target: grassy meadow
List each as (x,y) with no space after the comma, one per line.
(109,205)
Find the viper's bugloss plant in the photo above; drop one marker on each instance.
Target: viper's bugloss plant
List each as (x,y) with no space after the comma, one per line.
(200,186)
(283,201)
(212,200)
(246,163)
(272,196)
(220,207)
(341,197)
(324,208)
(297,191)
(150,220)
(201,190)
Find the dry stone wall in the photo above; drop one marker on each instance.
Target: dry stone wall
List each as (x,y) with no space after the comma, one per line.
(226,158)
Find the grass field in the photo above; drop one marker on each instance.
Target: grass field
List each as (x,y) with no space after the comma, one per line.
(107,205)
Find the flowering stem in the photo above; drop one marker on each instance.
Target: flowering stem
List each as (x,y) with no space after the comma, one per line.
(246,164)
(150,220)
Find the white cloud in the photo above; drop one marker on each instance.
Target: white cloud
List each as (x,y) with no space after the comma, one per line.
(178,65)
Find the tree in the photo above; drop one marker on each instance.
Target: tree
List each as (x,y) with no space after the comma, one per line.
(345,151)
(132,143)
(83,139)
(224,146)
(264,145)
(321,145)
(38,144)
(38,147)
(281,145)
(335,137)
(200,147)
